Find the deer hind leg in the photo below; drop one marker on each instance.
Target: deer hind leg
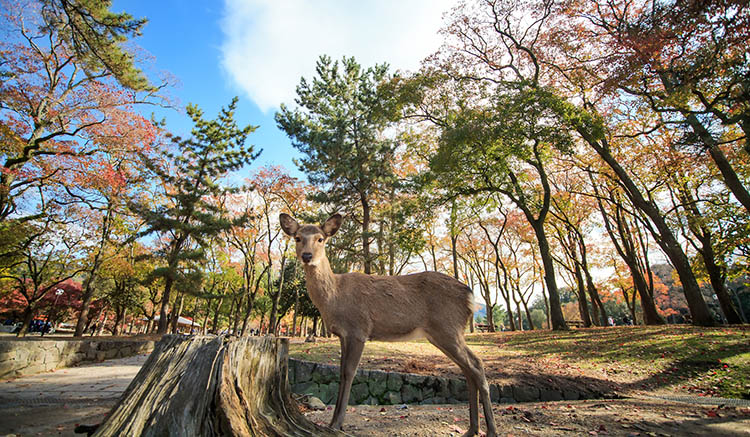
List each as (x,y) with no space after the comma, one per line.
(351,352)
(471,366)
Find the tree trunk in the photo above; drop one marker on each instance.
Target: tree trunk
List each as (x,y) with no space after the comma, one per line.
(717,277)
(215,324)
(511,322)
(164,310)
(28,316)
(244,391)
(556,315)
(88,293)
(366,264)
(546,306)
(729,175)
(204,328)
(627,250)
(520,317)
(583,306)
(664,235)
(296,311)
(176,314)
(277,296)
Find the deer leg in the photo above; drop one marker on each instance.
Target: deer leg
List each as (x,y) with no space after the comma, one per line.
(484,392)
(351,352)
(473,405)
(473,369)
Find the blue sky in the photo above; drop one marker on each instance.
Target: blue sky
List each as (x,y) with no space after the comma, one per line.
(258,50)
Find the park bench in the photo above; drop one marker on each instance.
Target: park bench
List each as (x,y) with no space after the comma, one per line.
(481,327)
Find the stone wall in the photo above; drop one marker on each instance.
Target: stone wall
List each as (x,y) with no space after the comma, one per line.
(375,387)
(19,357)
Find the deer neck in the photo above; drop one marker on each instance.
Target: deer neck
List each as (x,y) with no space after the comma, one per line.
(321,282)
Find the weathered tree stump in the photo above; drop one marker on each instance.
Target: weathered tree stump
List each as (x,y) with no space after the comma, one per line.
(211,386)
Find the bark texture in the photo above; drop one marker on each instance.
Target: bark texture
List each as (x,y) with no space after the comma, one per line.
(211,386)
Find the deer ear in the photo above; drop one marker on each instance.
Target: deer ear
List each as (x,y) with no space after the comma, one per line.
(288,224)
(332,224)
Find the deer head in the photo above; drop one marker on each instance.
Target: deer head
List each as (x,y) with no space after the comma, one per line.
(310,239)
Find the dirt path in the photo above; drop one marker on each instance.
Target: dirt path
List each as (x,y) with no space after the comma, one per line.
(626,417)
(623,417)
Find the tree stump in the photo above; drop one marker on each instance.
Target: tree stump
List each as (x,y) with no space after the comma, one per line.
(211,386)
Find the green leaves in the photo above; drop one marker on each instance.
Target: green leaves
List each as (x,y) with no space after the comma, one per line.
(191,177)
(338,127)
(96,35)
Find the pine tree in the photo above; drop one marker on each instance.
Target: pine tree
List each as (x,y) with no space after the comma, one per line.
(339,129)
(192,179)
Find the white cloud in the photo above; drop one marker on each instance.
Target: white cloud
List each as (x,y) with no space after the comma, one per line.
(270,44)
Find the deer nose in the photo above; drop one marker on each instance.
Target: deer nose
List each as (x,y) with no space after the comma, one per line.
(306,257)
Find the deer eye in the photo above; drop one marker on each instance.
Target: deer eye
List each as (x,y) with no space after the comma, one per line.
(320,240)
(297,239)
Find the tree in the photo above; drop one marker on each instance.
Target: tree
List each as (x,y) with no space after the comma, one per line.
(67,94)
(276,190)
(504,149)
(531,55)
(683,60)
(630,240)
(192,182)
(572,210)
(49,259)
(476,254)
(339,128)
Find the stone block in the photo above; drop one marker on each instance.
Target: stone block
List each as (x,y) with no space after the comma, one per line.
(359,393)
(428,392)
(330,393)
(410,394)
(506,391)
(433,401)
(51,356)
(394,382)
(549,395)
(415,380)
(304,371)
(306,388)
(494,392)
(291,366)
(523,393)
(393,398)
(362,376)
(378,383)
(325,374)
(442,387)
(459,390)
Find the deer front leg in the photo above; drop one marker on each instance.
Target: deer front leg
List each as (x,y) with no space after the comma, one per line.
(351,352)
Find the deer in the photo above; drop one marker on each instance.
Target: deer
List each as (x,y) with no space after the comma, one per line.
(357,307)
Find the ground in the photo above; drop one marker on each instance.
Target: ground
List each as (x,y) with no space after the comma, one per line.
(674,359)
(633,361)
(620,417)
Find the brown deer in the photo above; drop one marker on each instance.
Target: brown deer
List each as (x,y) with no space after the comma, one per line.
(358,307)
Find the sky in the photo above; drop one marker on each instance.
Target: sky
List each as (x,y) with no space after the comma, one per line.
(259,49)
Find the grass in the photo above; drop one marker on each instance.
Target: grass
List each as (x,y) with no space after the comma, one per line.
(687,359)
